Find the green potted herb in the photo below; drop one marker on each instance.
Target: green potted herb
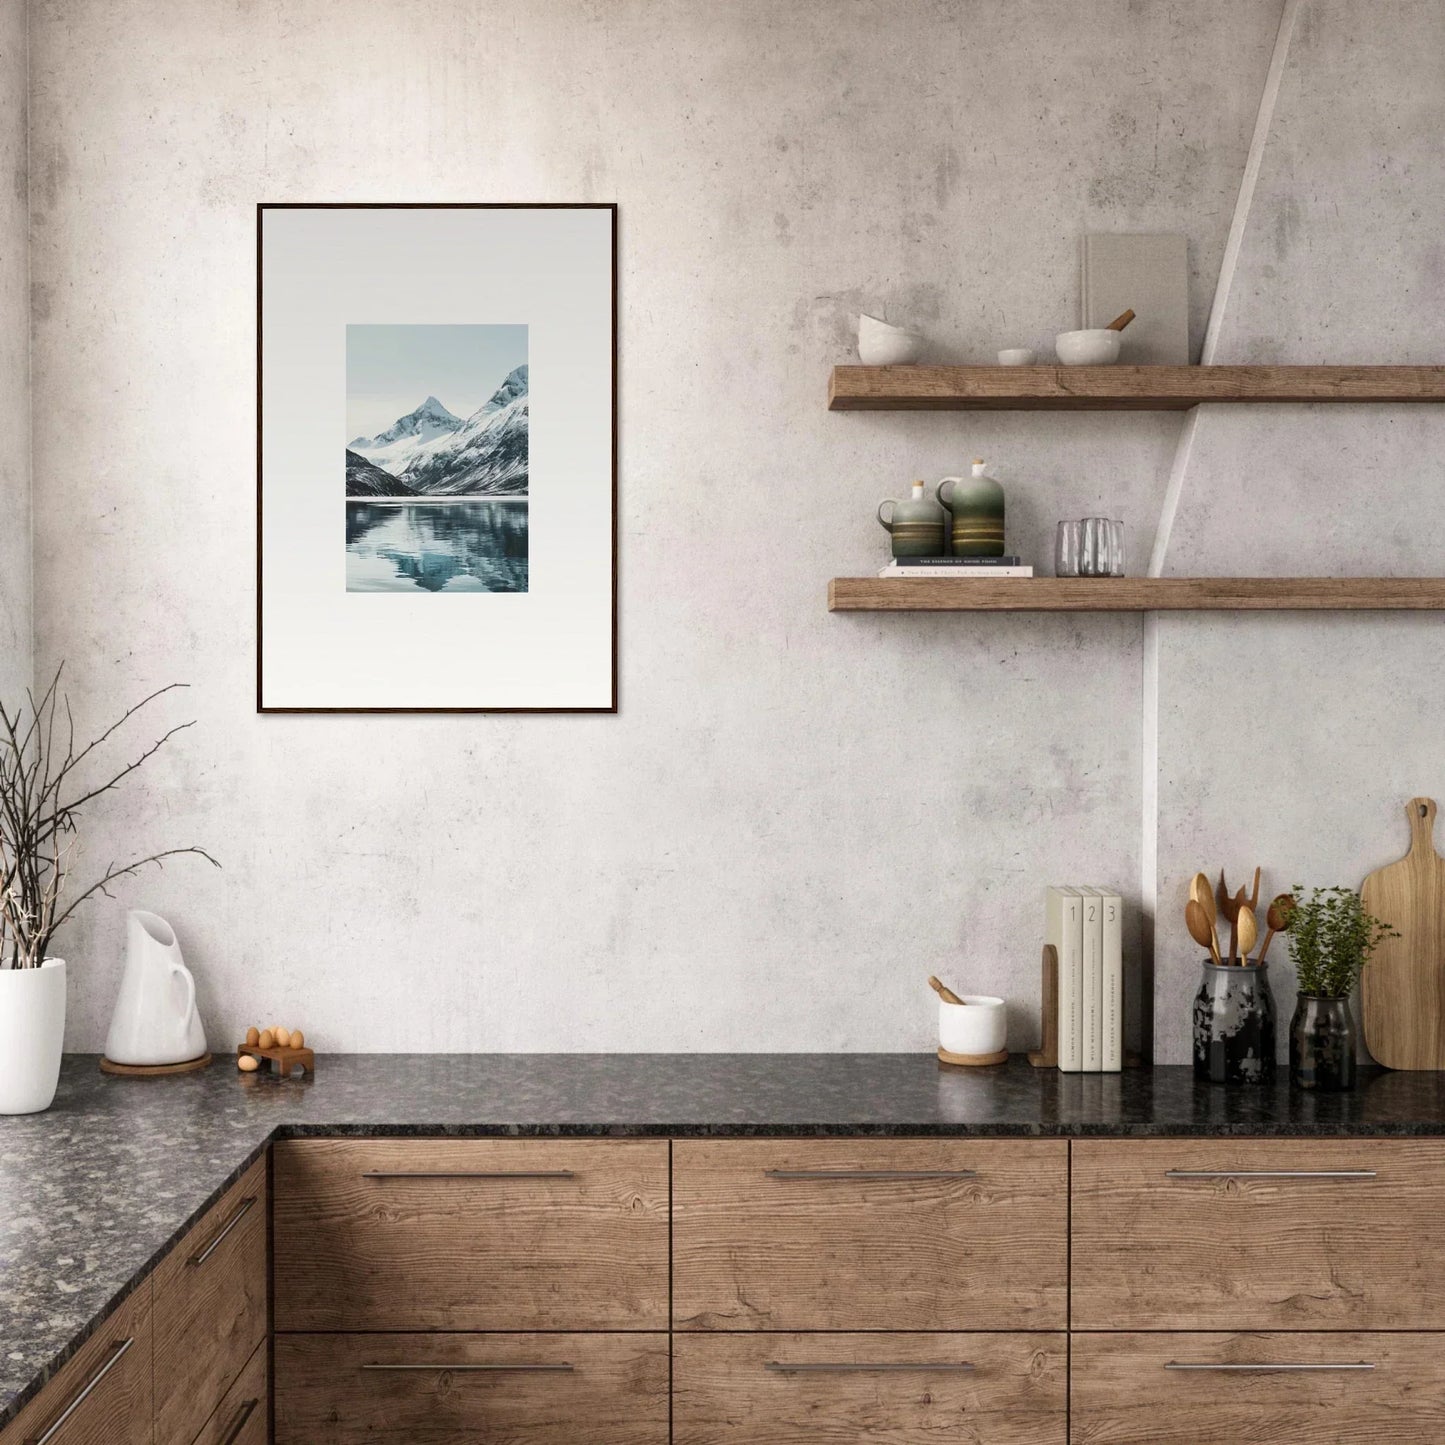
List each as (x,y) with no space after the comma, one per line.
(1331,938)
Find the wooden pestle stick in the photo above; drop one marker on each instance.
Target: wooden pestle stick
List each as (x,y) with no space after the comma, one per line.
(943,990)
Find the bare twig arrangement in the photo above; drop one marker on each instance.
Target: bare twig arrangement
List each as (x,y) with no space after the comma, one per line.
(41,796)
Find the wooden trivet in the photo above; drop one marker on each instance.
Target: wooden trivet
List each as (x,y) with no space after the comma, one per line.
(282,1061)
(972,1061)
(153,1071)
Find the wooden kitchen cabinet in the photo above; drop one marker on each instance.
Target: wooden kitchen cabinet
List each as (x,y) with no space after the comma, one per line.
(452,1389)
(886,1389)
(1256,1234)
(241,1417)
(210,1309)
(862,1234)
(102,1394)
(1326,1388)
(474,1234)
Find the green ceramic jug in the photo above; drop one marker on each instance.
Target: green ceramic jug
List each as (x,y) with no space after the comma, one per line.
(916,526)
(976,503)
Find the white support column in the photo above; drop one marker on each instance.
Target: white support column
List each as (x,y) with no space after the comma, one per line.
(1183,451)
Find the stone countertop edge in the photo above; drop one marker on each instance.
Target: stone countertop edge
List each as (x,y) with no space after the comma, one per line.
(14,1403)
(104,1134)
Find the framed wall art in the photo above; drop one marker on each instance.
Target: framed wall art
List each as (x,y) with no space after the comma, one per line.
(436,458)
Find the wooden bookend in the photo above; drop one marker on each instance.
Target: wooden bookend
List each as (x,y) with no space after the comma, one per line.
(1046,1056)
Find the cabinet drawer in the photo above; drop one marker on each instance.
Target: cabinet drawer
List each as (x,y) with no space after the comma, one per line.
(895,1389)
(210,1308)
(240,1418)
(444,1389)
(486,1234)
(1259,1234)
(101,1396)
(1131,1390)
(901,1234)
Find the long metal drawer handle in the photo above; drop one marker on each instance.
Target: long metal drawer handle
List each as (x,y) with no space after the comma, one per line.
(196,1260)
(117,1350)
(871,1173)
(1341,1365)
(239,1422)
(781,1367)
(469,1174)
(1271,1174)
(559,1367)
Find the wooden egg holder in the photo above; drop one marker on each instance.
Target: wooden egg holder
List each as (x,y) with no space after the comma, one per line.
(282,1061)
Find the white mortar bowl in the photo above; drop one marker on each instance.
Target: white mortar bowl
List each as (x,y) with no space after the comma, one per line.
(1016,356)
(880,344)
(1088,348)
(978,1025)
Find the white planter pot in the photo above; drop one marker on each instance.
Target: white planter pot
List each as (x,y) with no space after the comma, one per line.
(32,1032)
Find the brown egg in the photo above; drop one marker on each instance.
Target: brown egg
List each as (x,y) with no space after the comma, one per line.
(266,1040)
(283,1037)
(248,1063)
(253,1035)
(298,1039)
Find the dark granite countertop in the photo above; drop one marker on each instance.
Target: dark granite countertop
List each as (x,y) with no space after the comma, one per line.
(93,1192)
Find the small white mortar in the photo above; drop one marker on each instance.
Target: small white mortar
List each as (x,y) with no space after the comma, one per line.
(978,1025)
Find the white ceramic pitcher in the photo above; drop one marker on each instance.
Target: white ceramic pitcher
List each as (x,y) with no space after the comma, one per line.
(155,1019)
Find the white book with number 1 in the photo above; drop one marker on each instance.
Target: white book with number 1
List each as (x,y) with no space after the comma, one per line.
(1065,931)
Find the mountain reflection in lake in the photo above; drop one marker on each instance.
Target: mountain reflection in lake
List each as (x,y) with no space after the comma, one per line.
(436,547)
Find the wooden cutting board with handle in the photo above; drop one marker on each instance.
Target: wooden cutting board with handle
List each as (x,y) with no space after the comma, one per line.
(1403,986)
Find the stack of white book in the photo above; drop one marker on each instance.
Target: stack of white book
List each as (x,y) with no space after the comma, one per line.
(975,567)
(1085,926)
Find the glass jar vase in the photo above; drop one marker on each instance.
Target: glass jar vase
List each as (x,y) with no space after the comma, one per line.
(1322,1041)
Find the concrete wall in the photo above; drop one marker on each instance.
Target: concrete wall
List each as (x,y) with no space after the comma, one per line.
(795,817)
(15,600)
(1305,763)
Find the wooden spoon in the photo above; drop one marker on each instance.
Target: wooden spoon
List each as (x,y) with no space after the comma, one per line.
(1254,895)
(1277,919)
(1248,926)
(1120,321)
(1201,930)
(1201,893)
(943,990)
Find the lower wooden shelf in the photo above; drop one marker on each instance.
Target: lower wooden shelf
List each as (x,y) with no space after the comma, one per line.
(1137,594)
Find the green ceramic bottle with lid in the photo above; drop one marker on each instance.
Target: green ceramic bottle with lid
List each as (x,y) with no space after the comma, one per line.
(976,504)
(916,525)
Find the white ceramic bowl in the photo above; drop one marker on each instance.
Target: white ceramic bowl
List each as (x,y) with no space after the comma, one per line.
(1016,356)
(880,344)
(978,1025)
(1088,348)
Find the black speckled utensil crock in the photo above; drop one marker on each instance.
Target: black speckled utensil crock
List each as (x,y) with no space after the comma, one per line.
(1234,1024)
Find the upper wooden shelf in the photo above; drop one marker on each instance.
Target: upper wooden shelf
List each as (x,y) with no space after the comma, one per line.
(1119,388)
(1136,594)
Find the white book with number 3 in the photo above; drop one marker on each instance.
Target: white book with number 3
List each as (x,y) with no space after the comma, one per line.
(1113,1011)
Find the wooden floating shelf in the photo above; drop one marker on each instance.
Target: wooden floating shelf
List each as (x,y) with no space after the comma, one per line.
(1137,594)
(1120,388)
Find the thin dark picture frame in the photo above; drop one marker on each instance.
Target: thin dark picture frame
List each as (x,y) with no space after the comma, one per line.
(261,208)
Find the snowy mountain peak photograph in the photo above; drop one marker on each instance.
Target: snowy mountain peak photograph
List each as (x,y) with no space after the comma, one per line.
(436,501)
